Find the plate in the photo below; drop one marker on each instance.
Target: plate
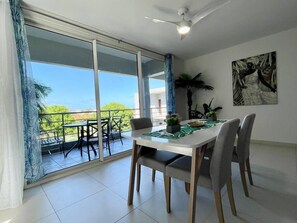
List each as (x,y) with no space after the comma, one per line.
(196,124)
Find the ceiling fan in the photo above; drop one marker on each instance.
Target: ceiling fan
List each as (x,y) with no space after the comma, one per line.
(184,26)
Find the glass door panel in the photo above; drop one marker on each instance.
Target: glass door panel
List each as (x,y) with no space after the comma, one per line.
(154,95)
(64,78)
(118,87)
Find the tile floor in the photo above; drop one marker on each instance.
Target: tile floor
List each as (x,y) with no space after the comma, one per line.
(56,161)
(100,195)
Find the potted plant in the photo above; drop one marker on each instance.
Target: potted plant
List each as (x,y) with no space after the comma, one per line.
(190,83)
(211,116)
(172,121)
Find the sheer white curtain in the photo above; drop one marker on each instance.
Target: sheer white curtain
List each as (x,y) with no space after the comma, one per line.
(11,116)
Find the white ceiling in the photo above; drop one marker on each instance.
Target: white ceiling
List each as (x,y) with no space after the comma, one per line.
(237,22)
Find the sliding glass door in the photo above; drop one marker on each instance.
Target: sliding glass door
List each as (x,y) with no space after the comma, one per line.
(118,90)
(76,86)
(154,96)
(64,79)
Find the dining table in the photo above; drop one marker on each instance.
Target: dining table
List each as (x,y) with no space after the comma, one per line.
(192,144)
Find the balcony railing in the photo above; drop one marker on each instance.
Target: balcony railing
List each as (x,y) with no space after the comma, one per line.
(52,133)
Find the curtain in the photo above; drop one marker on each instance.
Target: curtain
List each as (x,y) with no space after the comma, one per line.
(11,116)
(33,158)
(169,82)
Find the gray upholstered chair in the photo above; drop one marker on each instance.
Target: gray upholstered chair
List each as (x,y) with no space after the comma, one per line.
(241,152)
(214,173)
(149,157)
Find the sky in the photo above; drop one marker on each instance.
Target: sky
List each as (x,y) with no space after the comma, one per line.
(74,87)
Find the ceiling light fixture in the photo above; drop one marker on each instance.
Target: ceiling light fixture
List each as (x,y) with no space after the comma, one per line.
(183,29)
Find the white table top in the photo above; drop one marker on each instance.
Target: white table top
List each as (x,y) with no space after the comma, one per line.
(182,145)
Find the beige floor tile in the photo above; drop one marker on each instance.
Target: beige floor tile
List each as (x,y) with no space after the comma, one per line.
(156,207)
(264,204)
(110,174)
(104,206)
(136,216)
(35,207)
(69,190)
(147,189)
(50,219)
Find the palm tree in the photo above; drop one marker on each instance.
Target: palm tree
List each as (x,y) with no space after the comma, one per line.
(41,91)
(187,82)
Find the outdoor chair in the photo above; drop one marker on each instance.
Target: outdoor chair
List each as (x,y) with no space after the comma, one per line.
(116,127)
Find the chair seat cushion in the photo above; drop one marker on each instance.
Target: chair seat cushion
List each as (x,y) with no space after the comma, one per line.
(181,169)
(157,159)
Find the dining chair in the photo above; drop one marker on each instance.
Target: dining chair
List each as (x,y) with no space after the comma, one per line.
(241,151)
(150,157)
(214,173)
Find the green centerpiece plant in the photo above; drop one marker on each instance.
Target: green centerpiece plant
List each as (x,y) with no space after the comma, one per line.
(172,122)
(211,116)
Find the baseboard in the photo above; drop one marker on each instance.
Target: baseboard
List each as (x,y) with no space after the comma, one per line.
(284,144)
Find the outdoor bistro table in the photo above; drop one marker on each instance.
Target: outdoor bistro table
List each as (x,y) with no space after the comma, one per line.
(193,145)
(80,135)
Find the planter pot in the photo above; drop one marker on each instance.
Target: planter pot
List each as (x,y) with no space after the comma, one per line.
(172,128)
(212,118)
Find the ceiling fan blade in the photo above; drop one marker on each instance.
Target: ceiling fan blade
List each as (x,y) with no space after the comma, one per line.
(160,21)
(208,9)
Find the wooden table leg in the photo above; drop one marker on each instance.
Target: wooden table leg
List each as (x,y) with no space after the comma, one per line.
(197,158)
(132,174)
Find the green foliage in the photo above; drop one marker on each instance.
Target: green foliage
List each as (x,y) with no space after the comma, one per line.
(41,91)
(208,108)
(172,119)
(117,109)
(187,81)
(54,121)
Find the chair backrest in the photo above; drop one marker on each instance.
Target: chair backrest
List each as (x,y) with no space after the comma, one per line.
(140,123)
(220,164)
(244,138)
(116,123)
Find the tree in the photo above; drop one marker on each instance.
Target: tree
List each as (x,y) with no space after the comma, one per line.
(187,82)
(117,109)
(41,91)
(54,116)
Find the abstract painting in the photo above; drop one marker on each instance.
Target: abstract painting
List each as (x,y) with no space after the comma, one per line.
(254,80)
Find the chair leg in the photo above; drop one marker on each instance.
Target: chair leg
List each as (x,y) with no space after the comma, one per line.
(138,177)
(231,197)
(248,167)
(187,187)
(167,183)
(243,180)
(219,206)
(153,175)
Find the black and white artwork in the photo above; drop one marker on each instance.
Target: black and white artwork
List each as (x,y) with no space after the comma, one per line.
(254,80)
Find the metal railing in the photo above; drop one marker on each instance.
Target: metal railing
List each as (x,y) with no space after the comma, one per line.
(51,124)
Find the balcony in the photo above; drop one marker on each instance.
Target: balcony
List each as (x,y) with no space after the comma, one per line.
(55,138)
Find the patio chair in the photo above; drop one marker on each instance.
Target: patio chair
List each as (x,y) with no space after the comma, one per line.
(49,139)
(214,173)
(116,127)
(149,157)
(92,135)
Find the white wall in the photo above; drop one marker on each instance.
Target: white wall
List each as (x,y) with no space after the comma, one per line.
(276,123)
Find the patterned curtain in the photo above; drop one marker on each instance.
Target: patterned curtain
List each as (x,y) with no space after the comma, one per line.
(33,158)
(169,82)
